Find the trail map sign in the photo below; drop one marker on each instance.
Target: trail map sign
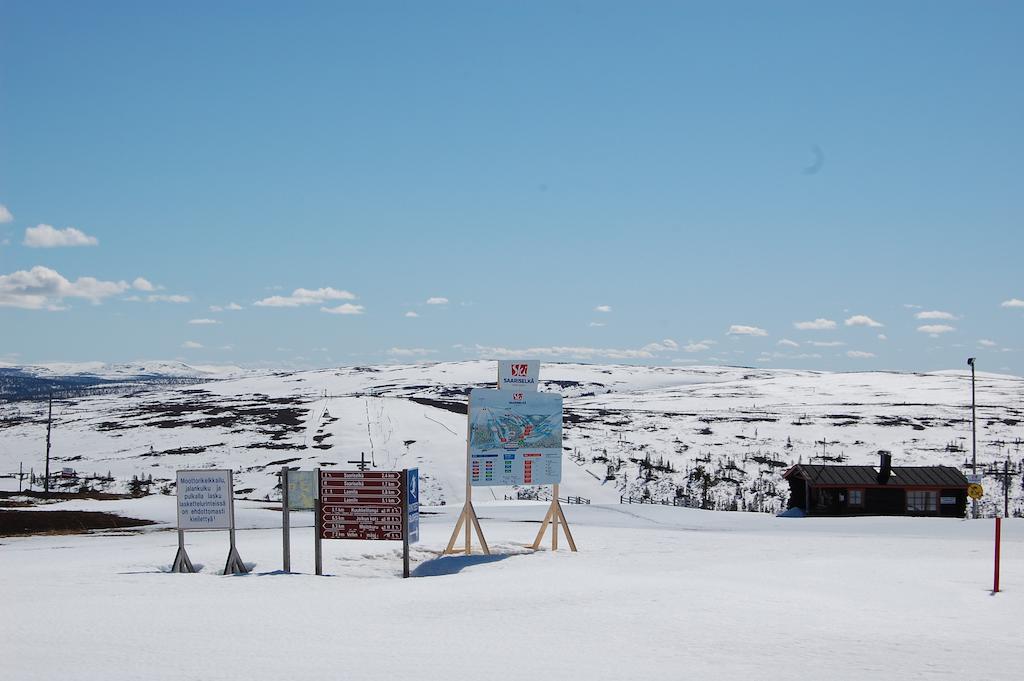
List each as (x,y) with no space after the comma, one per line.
(301,490)
(515,437)
(206,502)
(518,374)
(368,505)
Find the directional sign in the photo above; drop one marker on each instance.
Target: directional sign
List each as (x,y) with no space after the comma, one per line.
(412,500)
(361,505)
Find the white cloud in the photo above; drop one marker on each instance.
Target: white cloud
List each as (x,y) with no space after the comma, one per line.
(44,289)
(573,352)
(203,321)
(987,343)
(346,308)
(437,300)
(226,347)
(191,345)
(1012,302)
(411,315)
(817,325)
(305,296)
(411,352)
(935,329)
(785,342)
(698,346)
(882,336)
(826,344)
(5,215)
(141,284)
(45,236)
(667,345)
(911,306)
(596,324)
(862,320)
(741,330)
(168,298)
(934,314)
(603,308)
(229,306)
(859,354)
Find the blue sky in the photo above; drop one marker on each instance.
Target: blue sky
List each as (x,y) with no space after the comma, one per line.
(711,174)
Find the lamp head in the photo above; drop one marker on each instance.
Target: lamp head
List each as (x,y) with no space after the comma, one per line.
(970,361)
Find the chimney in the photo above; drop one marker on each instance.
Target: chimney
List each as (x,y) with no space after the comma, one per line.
(884,466)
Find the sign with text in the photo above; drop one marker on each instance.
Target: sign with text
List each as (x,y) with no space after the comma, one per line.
(412,503)
(515,437)
(518,374)
(301,490)
(361,505)
(205,500)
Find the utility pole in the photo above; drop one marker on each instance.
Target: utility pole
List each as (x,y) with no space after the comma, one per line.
(974,434)
(21,475)
(49,427)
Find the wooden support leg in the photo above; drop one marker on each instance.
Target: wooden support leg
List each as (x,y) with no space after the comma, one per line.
(543,527)
(455,533)
(568,532)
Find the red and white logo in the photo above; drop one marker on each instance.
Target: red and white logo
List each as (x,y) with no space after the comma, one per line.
(517,397)
(520,369)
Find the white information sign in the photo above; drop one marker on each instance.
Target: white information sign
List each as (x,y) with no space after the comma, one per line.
(518,374)
(515,437)
(205,500)
(301,490)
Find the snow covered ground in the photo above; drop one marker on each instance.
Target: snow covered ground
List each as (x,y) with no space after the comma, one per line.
(655,592)
(719,436)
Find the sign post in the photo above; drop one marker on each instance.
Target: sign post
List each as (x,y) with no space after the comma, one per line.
(298,491)
(368,505)
(206,502)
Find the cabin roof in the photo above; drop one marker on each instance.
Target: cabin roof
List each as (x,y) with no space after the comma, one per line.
(857,476)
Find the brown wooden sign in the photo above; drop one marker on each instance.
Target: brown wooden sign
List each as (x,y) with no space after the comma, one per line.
(361,505)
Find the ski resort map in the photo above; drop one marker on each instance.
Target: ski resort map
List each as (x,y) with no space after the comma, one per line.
(515,438)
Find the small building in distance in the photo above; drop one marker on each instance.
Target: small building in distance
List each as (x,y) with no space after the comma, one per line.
(831,490)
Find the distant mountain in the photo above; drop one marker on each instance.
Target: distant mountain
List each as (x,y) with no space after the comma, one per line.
(716,437)
(19,382)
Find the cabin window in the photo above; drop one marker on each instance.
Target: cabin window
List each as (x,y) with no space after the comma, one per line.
(921,502)
(855,497)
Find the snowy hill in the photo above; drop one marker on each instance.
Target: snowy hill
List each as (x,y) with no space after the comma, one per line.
(718,437)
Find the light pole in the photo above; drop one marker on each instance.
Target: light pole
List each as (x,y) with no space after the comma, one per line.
(974,434)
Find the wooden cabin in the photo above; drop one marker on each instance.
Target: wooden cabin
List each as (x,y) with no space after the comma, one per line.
(831,490)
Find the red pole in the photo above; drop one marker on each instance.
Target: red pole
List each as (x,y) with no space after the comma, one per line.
(995,583)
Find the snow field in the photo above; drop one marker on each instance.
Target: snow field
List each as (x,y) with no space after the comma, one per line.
(654,592)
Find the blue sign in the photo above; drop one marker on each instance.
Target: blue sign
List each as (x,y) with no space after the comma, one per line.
(412,487)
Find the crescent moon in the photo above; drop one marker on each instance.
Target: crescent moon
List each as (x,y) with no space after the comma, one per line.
(819,161)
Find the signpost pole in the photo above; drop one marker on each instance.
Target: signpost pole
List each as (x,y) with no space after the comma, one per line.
(181,561)
(317,541)
(234,564)
(285,524)
(554,520)
(405,523)
(995,579)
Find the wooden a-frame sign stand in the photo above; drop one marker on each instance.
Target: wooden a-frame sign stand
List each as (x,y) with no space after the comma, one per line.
(468,522)
(554,517)
(467,518)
